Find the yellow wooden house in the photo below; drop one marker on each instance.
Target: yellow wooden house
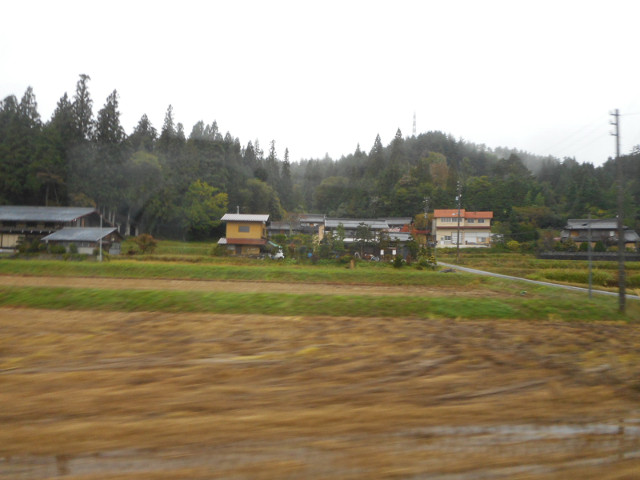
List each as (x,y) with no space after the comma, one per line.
(246,234)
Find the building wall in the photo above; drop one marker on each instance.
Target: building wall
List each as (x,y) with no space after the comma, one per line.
(448,236)
(452,222)
(249,250)
(9,240)
(473,231)
(87,248)
(246,230)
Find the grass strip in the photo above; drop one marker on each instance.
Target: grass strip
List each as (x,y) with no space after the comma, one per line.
(554,308)
(266,273)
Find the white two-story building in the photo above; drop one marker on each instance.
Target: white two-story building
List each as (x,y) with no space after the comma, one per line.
(474,228)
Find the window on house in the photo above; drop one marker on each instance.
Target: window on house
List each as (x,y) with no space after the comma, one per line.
(481,220)
(471,220)
(243,228)
(446,237)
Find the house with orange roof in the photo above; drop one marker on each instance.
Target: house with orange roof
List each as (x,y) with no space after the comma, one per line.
(474,228)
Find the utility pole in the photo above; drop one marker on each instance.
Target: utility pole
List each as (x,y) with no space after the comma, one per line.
(621,245)
(459,199)
(426,222)
(590,255)
(100,239)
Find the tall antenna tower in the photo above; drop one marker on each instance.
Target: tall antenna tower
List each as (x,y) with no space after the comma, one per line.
(414,124)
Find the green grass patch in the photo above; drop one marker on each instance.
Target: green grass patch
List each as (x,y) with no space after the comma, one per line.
(567,307)
(261,272)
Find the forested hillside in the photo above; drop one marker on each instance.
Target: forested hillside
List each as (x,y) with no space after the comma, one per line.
(168,183)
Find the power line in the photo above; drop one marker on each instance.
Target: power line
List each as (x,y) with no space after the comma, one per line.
(581,131)
(590,142)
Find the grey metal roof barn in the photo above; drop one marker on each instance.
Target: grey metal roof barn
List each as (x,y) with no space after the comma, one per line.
(75,234)
(22,224)
(605,230)
(87,239)
(43,214)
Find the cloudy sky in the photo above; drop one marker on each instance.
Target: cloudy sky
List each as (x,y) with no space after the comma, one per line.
(322,77)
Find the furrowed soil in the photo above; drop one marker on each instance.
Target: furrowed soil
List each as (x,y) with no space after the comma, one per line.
(148,395)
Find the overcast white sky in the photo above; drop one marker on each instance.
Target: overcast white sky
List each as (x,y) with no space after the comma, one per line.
(323,77)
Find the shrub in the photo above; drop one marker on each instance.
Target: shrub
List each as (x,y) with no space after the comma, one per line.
(570,246)
(105,254)
(74,257)
(426,262)
(513,245)
(219,250)
(344,259)
(73,249)
(57,249)
(324,250)
(146,243)
(398,261)
(33,246)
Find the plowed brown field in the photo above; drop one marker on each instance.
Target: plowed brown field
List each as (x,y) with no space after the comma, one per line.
(94,395)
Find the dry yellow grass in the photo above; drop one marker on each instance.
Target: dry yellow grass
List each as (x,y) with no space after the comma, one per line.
(89,395)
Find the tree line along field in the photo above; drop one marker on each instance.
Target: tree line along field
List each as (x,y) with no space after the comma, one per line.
(157,180)
(135,369)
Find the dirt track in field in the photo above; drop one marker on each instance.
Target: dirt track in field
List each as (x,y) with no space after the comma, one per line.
(233,286)
(94,395)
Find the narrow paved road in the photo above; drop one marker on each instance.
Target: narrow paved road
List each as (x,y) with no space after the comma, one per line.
(537,282)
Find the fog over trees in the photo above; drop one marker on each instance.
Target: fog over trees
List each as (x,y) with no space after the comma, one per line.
(171,184)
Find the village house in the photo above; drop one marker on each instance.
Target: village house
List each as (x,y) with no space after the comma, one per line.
(26,223)
(305,223)
(312,223)
(598,230)
(474,228)
(246,234)
(397,230)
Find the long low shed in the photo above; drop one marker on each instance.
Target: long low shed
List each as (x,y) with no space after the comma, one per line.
(87,239)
